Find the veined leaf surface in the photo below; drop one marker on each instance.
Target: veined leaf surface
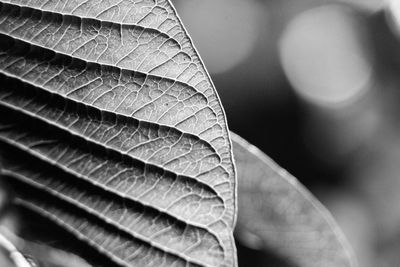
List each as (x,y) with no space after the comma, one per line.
(110,127)
(285,218)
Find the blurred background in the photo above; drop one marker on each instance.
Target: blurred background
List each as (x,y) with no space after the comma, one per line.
(316,86)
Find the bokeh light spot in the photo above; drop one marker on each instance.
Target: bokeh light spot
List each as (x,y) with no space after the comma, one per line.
(393,12)
(322,55)
(224,31)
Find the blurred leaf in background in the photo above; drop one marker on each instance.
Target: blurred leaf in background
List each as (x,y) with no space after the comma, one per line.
(277,215)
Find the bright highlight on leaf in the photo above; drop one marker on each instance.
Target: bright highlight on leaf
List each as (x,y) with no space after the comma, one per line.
(112,129)
(277,214)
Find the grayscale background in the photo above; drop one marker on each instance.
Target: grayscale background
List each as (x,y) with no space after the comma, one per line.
(316,86)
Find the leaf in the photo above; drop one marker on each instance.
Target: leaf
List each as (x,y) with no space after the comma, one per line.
(42,255)
(14,256)
(278,214)
(47,244)
(111,128)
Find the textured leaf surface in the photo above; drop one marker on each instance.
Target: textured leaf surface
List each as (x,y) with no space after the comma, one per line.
(109,116)
(277,214)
